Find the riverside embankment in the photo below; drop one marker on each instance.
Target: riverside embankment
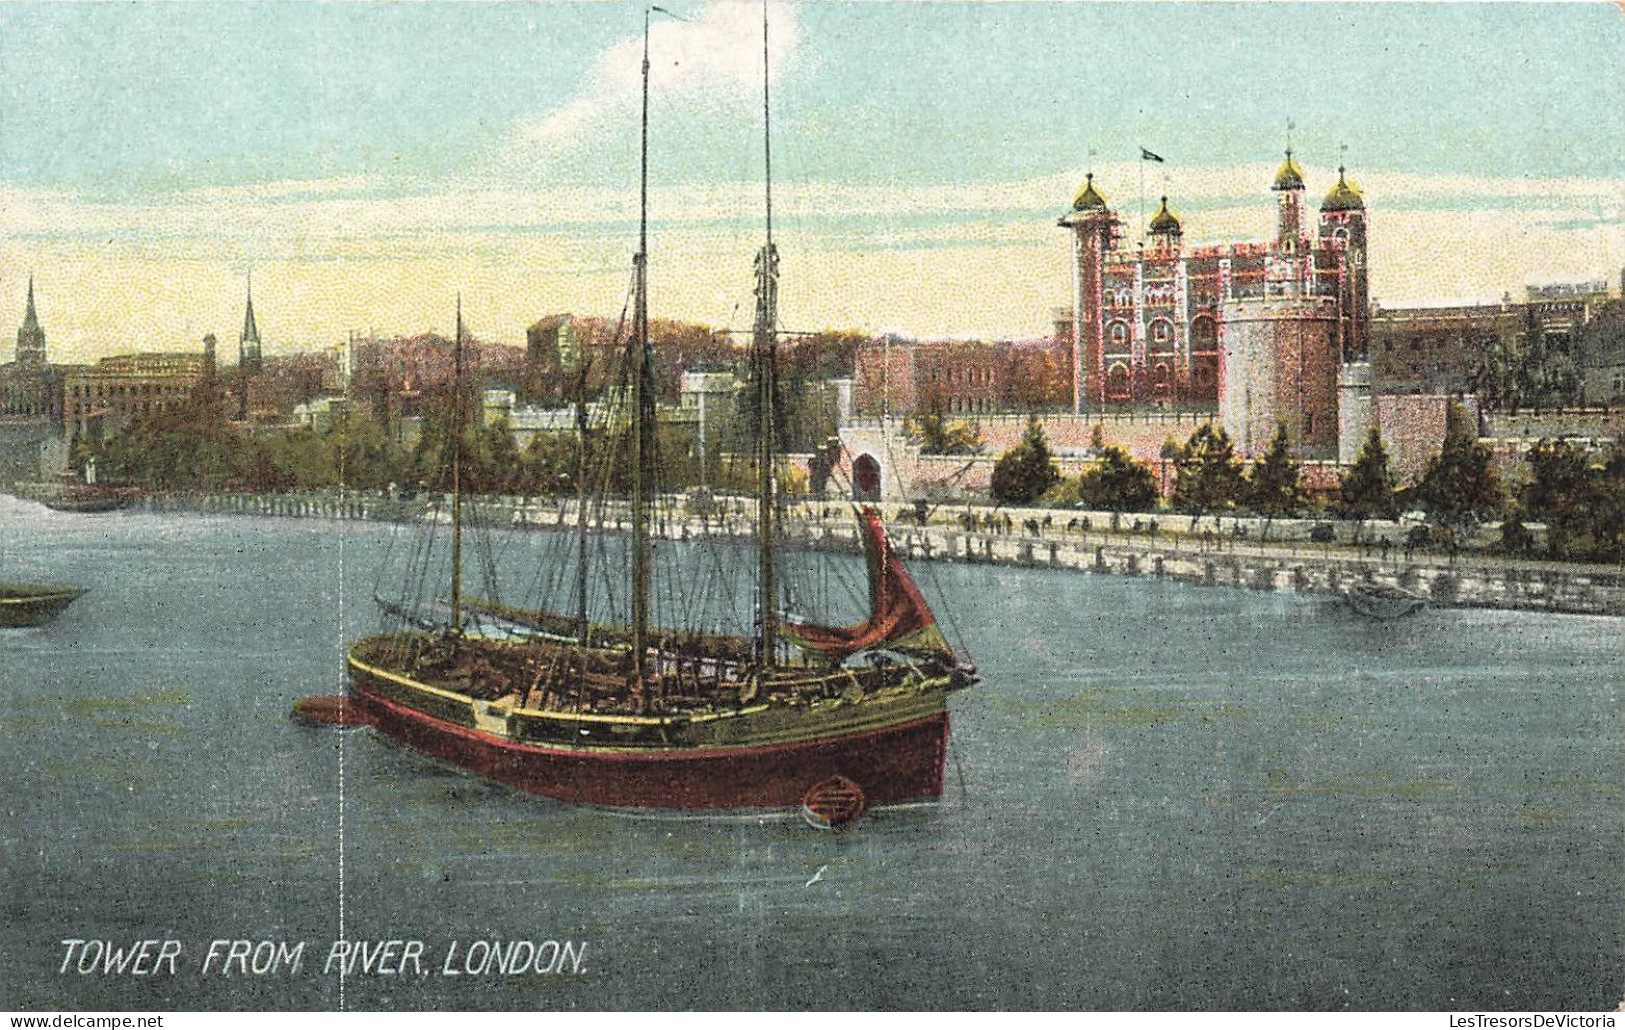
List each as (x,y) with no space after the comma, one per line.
(1205,552)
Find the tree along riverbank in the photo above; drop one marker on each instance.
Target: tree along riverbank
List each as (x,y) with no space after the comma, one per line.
(1206,551)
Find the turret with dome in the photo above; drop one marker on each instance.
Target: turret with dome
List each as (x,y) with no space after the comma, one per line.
(1344,196)
(1292,227)
(1165,228)
(1089,198)
(1289,176)
(1343,233)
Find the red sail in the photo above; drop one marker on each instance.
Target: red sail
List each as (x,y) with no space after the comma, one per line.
(900,619)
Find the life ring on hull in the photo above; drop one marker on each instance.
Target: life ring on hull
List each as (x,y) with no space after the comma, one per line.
(833,803)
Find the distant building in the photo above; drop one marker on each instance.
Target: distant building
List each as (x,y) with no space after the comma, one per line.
(1558,316)
(552,343)
(890,372)
(562,349)
(1445,349)
(1600,355)
(320,413)
(528,422)
(958,378)
(249,361)
(104,397)
(1561,310)
(711,401)
(1541,351)
(287,380)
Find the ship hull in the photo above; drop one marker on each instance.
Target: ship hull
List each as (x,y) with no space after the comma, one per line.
(87,506)
(893,762)
(90,500)
(34,606)
(1385,603)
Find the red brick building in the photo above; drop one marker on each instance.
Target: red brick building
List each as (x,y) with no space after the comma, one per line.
(956,377)
(1260,330)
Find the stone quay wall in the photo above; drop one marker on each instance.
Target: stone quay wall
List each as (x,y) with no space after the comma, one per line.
(1468,582)
(1212,560)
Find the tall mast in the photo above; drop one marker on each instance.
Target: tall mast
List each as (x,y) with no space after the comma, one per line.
(581,501)
(457,474)
(643,421)
(765,345)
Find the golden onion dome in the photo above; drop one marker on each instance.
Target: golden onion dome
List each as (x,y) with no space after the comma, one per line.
(1165,221)
(1090,199)
(1344,196)
(1289,176)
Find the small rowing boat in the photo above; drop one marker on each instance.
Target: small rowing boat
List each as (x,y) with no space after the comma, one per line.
(29,605)
(1382,601)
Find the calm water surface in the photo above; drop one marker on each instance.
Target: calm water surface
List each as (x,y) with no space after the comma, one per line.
(1160,797)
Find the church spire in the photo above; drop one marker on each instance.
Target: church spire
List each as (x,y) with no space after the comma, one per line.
(248,347)
(251,332)
(30,351)
(31,320)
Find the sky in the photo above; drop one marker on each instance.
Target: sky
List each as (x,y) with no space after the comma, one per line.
(367,162)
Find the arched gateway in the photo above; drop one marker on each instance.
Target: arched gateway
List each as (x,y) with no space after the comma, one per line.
(866,478)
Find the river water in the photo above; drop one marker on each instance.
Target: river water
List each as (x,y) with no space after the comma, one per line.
(1161,797)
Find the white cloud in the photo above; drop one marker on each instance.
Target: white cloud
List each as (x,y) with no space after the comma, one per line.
(715,55)
(942,260)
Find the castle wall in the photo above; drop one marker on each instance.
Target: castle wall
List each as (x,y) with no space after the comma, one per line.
(906,474)
(1606,423)
(1412,427)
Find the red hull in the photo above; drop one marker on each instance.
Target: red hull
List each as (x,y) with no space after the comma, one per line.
(894,764)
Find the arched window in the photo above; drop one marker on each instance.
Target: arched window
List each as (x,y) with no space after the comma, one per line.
(1117,332)
(1204,333)
(1161,379)
(1204,377)
(1117,382)
(1162,332)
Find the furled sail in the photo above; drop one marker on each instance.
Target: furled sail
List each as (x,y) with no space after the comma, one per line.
(899,619)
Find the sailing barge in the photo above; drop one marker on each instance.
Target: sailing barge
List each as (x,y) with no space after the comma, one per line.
(709,728)
(625,712)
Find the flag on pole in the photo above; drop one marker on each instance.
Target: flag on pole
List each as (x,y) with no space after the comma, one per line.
(1146,155)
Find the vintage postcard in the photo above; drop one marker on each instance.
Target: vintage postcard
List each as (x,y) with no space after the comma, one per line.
(812,506)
